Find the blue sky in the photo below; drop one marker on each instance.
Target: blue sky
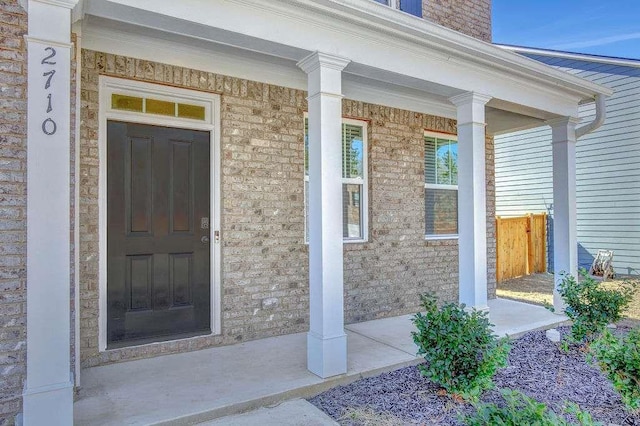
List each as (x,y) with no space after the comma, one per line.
(600,27)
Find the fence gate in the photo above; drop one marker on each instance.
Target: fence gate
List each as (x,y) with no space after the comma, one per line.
(521,245)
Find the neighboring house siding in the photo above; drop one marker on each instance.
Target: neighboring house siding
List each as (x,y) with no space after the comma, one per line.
(13,208)
(608,176)
(470,17)
(265,260)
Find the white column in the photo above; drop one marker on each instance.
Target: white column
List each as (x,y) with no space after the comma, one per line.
(48,394)
(565,243)
(326,340)
(472,199)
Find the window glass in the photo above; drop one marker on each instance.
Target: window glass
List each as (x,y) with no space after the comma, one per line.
(441,185)
(351,213)
(126,103)
(191,111)
(155,106)
(441,207)
(446,162)
(352,151)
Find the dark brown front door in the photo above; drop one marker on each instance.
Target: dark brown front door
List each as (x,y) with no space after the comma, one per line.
(158,213)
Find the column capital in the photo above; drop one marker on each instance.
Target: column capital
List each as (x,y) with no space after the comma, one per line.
(563,129)
(470,108)
(50,20)
(469,98)
(563,121)
(69,4)
(322,60)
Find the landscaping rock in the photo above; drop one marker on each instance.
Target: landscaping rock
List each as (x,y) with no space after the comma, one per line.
(553,335)
(537,367)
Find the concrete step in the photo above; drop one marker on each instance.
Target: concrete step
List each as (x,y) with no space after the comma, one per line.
(290,413)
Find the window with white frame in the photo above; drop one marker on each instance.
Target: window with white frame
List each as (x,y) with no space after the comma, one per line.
(413,7)
(354,179)
(441,185)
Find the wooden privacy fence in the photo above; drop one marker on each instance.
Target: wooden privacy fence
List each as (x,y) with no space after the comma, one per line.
(521,245)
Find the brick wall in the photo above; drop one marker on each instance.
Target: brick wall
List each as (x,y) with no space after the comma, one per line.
(265,259)
(491,217)
(385,276)
(471,17)
(72,197)
(13,206)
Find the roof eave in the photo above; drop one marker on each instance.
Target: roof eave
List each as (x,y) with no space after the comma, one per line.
(456,44)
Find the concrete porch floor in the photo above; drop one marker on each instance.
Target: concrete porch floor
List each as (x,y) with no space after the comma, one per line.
(199,386)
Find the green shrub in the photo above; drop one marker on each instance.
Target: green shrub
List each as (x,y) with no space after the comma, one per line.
(592,307)
(522,410)
(619,359)
(461,352)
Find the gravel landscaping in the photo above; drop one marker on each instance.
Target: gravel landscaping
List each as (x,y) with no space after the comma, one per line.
(537,367)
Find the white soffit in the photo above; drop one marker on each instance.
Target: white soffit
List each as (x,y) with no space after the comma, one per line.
(152,45)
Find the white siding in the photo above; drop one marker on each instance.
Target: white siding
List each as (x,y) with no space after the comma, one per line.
(608,168)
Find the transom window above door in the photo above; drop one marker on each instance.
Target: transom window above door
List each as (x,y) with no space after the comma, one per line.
(441,185)
(131,100)
(126,102)
(414,7)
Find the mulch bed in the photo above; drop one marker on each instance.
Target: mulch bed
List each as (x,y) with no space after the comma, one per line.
(537,367)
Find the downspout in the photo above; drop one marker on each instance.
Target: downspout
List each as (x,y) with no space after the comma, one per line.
(601,114)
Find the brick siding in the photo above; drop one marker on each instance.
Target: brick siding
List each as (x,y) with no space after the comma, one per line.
(491,217)
(471,17)
(265,259)
(13,208)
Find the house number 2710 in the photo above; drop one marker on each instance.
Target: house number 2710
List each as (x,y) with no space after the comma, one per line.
(49,126)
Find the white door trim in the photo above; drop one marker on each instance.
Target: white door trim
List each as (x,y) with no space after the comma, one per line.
(211,102)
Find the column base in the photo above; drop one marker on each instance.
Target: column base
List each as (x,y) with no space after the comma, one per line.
(469,298)
(326,357)
(48,405)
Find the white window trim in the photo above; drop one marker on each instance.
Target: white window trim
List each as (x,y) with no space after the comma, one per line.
(394,4)
(364,197)
(211,123)
(434,237)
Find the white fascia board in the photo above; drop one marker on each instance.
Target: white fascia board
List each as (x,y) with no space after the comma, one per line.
(410,102)
(634,63)
(242,66)
(370,34)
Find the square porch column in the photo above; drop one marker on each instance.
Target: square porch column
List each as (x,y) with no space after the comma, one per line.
(472,199)
(565,242)
(326,340)
(48,393)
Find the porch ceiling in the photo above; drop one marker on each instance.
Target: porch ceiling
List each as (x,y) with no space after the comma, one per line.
(397,60)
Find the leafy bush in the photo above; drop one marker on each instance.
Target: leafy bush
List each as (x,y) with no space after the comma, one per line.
(461,352)
(522,410)
(592,307)
(619,359)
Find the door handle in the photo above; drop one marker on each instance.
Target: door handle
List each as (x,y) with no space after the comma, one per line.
(204,240)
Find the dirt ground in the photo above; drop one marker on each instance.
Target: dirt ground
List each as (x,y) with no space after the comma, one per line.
(538,289)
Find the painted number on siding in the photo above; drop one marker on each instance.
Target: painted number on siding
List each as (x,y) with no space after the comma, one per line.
(49,126)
